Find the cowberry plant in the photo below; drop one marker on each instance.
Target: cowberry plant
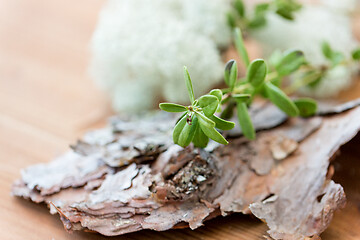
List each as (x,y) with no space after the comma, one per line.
(200,122)
(309,75)
(239,17)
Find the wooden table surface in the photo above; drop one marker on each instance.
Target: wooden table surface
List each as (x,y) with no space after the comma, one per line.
(47,100)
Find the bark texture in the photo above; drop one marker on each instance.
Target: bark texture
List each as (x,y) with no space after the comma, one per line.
(129,176)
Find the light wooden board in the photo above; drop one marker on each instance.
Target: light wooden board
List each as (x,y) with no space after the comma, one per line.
(47,100)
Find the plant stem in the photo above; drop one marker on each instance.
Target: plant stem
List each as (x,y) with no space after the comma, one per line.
(301,82)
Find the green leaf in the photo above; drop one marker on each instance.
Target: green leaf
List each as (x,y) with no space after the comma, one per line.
(276,81)
(275,58)
(356,54)
(307,106)
(228,111)
(290,62)
(256,72)
(217,93)
(294,5)
(281,100)
(208,127)
(334,56)
(259,19)
(189,85)
(285,13)
(286,8)
(244,120)
(239,44)
(200,139)
(221,123)
(261,8)
(182,115)
(231,20)
(187,133)
(172,107)
(228,67)
(257,22)
(209,104)
(326,50)
(178,128)
(233,76)
(205,120)
(240,8)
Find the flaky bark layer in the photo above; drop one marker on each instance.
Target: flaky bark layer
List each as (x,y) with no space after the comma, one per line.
(129,176)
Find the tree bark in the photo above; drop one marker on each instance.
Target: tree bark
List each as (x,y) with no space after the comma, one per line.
(129,176)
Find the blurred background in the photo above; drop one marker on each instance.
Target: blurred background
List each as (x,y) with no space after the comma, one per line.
(48,99)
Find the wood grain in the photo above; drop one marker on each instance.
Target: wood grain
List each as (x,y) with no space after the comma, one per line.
(47,101)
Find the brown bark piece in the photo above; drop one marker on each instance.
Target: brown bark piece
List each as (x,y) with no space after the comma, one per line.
(185,187)
(297,211)
(68,170)
(335,106)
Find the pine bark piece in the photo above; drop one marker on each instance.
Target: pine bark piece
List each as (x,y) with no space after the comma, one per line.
(266,115)
(185,187)
(128,141)
(335,106)
(69,170)
(297,212)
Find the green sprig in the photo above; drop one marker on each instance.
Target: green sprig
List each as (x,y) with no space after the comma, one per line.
(310,75)
(199,123)
(239,17)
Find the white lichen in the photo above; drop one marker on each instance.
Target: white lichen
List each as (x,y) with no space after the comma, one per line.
(139,49)
(328,20)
